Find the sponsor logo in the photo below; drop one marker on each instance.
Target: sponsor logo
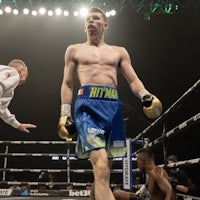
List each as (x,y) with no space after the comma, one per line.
(5,192)
(38,193)
(127,167)
(95,131)
(118,143)
(98,92)
(126,172)
(79,193)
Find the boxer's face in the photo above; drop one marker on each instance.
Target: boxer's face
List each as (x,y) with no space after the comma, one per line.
(140,162)
(95,23)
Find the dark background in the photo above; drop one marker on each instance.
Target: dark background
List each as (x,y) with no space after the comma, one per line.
(164,52)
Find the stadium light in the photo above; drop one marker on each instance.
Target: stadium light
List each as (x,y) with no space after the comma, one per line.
(15,11)
(76,13)
(34,13)
(58,11)
(26,11)
(42,10)
(66,13)
(50,13)
(8,9)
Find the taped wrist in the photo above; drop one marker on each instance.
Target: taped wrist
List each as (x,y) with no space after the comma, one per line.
(143,92)
(65,110)
(143,188)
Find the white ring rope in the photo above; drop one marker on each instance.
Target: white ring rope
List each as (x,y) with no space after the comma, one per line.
(184,162)
(55,170)
(177,129)
(188,197)
(37,142)
(168,111)
(186,124)
(42,183)
(35,154)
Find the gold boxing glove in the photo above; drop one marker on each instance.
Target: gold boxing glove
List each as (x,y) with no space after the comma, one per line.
(66,128)
(152,106)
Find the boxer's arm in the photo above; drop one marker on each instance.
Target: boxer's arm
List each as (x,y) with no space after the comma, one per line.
(129,73)
(66,126)
(151,104)
(124,195)
(68,75)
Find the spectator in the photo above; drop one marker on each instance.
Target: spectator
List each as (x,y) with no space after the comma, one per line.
(178,177)
(51,180)
(25,189)
(69,186)
(15,186)
(136,183)
(137,180)
(88,186)
(43,177)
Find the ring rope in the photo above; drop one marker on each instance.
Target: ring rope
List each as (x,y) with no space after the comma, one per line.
(188,197)
(37,142)
(56,170)
(184,162)
(41,183)
(35,154)
(49,183)
(186,124)
(170,109)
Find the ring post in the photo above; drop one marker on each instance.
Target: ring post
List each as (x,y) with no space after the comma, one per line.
(127,167)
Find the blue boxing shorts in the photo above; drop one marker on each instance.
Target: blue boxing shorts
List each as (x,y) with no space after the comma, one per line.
(99,122)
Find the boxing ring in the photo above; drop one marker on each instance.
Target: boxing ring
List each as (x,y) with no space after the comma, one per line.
(66,168)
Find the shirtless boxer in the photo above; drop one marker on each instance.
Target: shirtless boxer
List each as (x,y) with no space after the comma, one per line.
(158,183)
(98,111)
